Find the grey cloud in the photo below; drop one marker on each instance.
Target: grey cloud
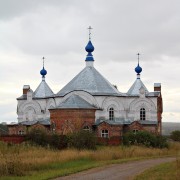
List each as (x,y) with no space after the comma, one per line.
(57,29)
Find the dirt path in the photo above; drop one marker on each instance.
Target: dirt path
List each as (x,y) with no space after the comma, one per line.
(117,171)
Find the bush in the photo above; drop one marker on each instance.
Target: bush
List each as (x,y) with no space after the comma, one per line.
(58,141)
(82,140)
(175,135)
(79,140)
(42,138)
(144,138)
(38,136)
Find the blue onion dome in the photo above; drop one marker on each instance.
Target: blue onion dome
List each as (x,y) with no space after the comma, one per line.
(89,47)
(43,72)
(138,69)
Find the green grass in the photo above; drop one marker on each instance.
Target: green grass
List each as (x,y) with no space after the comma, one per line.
(56,169)
(165,171)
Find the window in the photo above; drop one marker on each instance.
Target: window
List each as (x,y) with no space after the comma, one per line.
(86,128)
(20,132)
(111,114)
(135,131)
(53,126)
(142,114)
(104,133)
(43,111)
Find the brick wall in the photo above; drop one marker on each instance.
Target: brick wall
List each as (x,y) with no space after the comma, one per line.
(159,114)
(15,129)
(114,130)
(18,129)
(110,141)
(70,120)
(137,126)
(12,139)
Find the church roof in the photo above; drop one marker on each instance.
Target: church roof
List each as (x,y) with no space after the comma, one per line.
(119,121)
(134,89)
(75,102)
(43,90)
(155,93)
(90,80)
(30,123)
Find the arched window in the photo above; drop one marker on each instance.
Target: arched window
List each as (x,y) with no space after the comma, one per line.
(86,128)
(111,114)
(105,133)
(142,114)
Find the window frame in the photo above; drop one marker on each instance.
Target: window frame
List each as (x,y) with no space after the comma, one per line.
(142,114)
(111,113)
(135,131)
(86,128)
(105,133)
(21,132)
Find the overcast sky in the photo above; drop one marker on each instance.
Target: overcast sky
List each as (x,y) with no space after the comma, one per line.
(57,30)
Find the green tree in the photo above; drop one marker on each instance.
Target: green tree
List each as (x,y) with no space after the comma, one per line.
(175,135)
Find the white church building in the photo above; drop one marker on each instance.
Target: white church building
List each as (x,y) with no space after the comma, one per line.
(89,101)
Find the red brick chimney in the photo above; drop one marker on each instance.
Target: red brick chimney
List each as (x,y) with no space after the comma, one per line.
(157,87)
(26,88)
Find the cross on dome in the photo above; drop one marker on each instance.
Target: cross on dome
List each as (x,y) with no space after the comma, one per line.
(89,47)
(138,57)
(43,60)
(43,72)
(90,28)
(138,69)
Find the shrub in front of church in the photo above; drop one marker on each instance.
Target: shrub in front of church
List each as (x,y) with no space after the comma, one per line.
(82,140)
(175,135)
(42,138)
(58,141)
(145,138)
(38,136)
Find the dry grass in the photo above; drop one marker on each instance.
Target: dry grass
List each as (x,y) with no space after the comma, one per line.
(111,153)
(22,159)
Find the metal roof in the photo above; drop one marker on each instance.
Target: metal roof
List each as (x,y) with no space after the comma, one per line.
(90,80)
(152,94)
(134,90)
(157,84)
(119,121)
(43,90)
(29,123)
(75,102)
(148,122)
(24,96)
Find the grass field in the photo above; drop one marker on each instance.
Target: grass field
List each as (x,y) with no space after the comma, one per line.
(166,171)
(30,162)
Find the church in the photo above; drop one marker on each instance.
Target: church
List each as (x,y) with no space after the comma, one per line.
(90,102)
